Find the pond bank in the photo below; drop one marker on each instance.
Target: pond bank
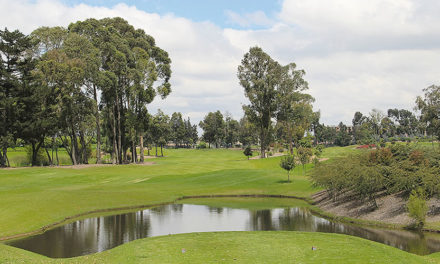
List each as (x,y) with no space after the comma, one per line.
(391,211)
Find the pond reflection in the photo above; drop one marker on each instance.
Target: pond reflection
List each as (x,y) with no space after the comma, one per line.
(101,233)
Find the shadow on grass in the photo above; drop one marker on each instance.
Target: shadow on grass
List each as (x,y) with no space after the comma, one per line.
(285,181)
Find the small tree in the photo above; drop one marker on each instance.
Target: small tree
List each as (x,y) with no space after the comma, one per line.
(318,150)
(304,155)
(417,207)
(247,152)
(288,163)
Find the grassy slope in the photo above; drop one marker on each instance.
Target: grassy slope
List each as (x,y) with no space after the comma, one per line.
(33,197)
(237,247)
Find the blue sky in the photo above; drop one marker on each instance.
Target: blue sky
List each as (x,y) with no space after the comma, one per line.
(215,11)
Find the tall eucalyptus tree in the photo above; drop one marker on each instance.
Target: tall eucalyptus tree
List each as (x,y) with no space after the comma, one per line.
(137,70)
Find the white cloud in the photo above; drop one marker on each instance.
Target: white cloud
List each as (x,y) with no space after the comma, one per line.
(373,16)
(347,82)
(257,18)
(358,54)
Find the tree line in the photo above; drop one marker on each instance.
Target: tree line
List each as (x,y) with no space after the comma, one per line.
(90,81)
(394,125)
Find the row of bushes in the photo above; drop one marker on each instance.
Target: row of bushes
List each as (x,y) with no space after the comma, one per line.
(399,168)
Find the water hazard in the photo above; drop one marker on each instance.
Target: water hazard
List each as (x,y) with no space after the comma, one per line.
(102,233)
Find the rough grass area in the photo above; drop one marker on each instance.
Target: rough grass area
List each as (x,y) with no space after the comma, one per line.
(237,247)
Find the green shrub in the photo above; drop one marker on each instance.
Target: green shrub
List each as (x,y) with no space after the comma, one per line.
(315,161)
(417,207)
(202,145)
(41,156)
(247,152)
(395,169)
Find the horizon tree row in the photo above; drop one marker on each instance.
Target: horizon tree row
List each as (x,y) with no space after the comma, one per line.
(224,131)
(395,124)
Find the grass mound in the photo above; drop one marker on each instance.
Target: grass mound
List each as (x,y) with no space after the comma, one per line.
(237,247)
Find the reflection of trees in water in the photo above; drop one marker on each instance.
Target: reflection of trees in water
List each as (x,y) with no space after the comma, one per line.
(433,242)
(165,211)
(298,219)
(261,220)
(413,242)
(177,208)
(114,230)
(89,235)
(217,210)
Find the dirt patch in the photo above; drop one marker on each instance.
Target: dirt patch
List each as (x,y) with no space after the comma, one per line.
(391,208)
(273,156)
(83,166)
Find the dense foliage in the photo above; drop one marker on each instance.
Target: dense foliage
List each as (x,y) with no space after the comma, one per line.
(275,92)
(399,168)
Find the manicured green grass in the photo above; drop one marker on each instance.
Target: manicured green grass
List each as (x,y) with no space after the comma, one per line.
(31,198)
(237,247)
(34,197)
(337,152)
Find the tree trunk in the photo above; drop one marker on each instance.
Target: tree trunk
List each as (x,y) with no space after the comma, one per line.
(34,155)
(2,160)
(118,118)
(35,149)
(288,176)
(262,145)
(290,137)
(84,155)
(161,150)
(7,159)
(141,148)
(133,152)
(3,156)
(115,158)
(73,152)
(156,149)
(56,154)
(48,157)
(98,128)
(52,147)
(66,145)
(75,149)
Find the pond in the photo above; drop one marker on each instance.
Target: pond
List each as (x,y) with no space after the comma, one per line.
(97,234)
